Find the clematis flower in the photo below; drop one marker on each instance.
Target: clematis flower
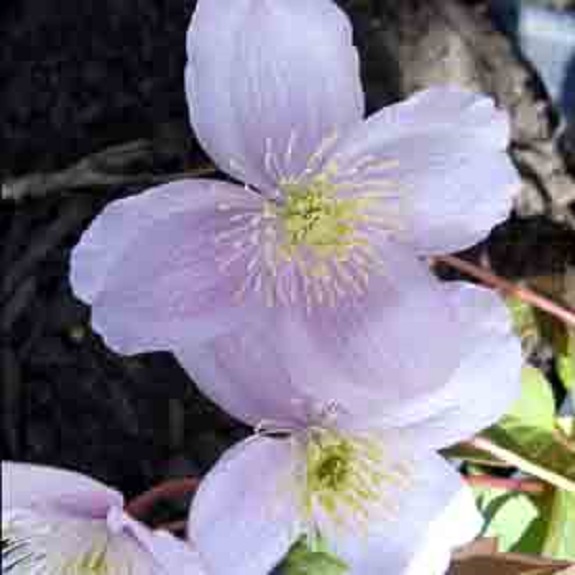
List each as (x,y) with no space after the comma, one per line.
(371,498)
(365,478)
(57,521)
(322,239)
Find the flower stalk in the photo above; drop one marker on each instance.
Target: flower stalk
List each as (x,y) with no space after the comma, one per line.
(509,288)
(515,460)
(530,486)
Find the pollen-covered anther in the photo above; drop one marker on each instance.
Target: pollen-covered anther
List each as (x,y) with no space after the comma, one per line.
(348,479)
(314,243)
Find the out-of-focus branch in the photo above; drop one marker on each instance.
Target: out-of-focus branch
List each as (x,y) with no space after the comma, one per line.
(515,460)
(110,167)
(519,485)
(510,289)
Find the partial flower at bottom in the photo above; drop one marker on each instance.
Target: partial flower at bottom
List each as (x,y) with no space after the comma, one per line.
(347,465)
(372,498)
(57,522)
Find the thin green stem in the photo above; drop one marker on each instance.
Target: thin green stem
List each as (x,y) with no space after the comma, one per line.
(515,460)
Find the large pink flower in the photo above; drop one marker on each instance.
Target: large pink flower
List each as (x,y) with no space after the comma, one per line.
(57,521)
(315,263)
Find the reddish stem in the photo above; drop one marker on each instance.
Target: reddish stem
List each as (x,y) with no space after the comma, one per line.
(508,288)
(518,485)
(142,504)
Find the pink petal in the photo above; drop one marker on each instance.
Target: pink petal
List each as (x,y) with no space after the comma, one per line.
(175,556)
(264,86)
(444,154)
(244,373)
(433,496)
(40,487)
(458,524)
(376,353)
(244,519)
(171,555)
(49,541)
(486,381)
(159,269)
(366,354)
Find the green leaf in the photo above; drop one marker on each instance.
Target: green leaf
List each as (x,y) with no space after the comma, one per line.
(560,539)
(530,432)
(524,320)
(566,370)
(508,515)
(535,408)
(546,454)
(552,533)
(533,539)
(566,363)
(536,405)
(566,424)
(304,559)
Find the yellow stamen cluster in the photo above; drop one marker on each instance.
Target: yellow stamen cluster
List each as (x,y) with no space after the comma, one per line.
(314,217)
(348,478)
(316,242)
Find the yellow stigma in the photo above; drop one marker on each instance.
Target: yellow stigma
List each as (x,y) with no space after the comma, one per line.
(313,216)
(348,477)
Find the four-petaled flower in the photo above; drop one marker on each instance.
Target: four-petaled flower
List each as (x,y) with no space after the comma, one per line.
(56,521)
(316,260)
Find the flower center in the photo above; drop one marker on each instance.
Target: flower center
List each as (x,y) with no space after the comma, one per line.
(316,241)
(333,468)
(314,217)
(347,478)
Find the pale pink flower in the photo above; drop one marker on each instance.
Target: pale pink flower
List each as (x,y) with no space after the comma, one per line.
(379,500)
(316,259)
(56,521)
